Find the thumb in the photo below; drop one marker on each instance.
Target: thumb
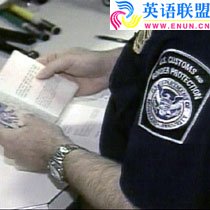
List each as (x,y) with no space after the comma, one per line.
(57,66)
(45,73)
(29,119)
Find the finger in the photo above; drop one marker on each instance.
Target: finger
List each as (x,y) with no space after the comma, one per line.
(33,121)
(29,119)
(56,66)
(42,60)
(47,59)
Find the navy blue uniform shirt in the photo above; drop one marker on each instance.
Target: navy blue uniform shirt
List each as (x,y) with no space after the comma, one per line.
(157,121)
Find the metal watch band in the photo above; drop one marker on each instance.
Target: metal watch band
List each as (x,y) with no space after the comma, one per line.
(55,165)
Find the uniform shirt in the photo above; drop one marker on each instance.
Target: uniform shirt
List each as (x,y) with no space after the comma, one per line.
(157,121)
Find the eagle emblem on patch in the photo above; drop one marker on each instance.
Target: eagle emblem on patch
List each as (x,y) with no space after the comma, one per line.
(176,91)
(168,104)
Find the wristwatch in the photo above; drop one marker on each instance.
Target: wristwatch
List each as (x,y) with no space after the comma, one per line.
(55,164)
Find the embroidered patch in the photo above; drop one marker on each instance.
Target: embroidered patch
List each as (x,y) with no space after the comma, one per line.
(177,89)
(140,40)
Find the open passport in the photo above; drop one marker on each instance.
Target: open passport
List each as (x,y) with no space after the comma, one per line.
(19,86)
(52,99)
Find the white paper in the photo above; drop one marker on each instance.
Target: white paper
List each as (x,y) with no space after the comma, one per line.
(82,120)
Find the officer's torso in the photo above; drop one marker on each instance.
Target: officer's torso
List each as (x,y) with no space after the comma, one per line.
(156,123)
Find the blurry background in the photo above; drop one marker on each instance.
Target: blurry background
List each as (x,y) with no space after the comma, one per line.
(80,21)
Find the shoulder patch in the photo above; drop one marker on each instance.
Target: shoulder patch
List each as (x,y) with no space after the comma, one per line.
(177,89)
(140,40)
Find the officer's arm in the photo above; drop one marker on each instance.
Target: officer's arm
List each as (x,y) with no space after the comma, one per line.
(96,179)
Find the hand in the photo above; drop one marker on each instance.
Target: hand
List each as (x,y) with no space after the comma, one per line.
(90,69)
(32,145)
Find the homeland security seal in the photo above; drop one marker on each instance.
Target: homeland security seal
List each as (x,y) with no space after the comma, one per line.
(176,92)
(168,104)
